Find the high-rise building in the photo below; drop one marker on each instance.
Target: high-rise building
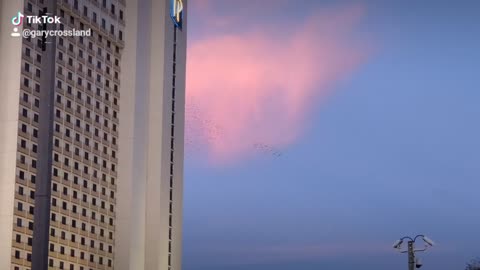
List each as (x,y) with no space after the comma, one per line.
(91,135)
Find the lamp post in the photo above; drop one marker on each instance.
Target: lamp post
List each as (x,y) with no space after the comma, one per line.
(412,261)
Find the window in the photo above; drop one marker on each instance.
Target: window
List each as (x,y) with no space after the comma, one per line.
(20,206)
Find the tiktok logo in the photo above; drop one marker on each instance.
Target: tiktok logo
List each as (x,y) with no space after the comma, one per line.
(18,20)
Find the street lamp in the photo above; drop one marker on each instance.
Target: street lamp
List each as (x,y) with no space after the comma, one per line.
(412,261)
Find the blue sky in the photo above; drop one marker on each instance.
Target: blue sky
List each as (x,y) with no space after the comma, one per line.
(394,150)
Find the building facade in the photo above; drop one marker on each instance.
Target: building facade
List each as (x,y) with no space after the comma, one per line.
(91,136)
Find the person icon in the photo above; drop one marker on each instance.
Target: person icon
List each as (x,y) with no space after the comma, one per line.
(15,32)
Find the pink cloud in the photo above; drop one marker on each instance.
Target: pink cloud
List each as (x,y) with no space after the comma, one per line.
(259,85)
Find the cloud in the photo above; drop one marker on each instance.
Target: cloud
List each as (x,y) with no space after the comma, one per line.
(258,83)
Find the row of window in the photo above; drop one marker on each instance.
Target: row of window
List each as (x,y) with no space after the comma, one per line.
(26,98)
(110,69)
(83,125)
(92,200)
(28,193)
(84,152)
(108,9)
(87,97)
(80,78)
(101,43)
(73,222)
(28,53)
(74,193)
(102,191)
(27,142)
(27,160)
(66,161)
(28,146)
(83,93)
(61,265)
(92,15)
(172,151)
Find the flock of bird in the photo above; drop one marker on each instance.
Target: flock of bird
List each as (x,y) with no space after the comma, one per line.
(200,132)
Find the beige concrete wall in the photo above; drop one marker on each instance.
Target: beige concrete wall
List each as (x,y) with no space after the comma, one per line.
(156,226)
(10,67)
(145,111)
(124,244)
